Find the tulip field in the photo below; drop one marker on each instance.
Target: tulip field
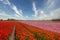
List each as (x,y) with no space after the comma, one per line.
(5,30)
(29,30)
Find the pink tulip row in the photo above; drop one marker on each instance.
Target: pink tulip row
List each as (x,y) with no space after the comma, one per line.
(50,26)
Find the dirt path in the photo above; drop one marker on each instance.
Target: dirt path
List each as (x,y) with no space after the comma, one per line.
(12,36)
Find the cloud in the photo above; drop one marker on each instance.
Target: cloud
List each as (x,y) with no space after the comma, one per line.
(34,9)
(55,13)
(43,17)
(6,2)
(50,4)
(39,14)
(1,0)
(3,13)
(18,12)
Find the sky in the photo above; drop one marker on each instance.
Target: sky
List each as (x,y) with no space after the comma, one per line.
(30,9)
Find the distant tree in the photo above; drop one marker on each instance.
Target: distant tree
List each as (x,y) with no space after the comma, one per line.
(8,19)
(56,20)
(1,19)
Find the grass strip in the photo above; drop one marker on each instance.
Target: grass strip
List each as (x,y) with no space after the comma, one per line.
(27,38)
(12,32)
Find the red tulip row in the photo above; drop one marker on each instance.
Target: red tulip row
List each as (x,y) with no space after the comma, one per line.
(5,30)
(22,33)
